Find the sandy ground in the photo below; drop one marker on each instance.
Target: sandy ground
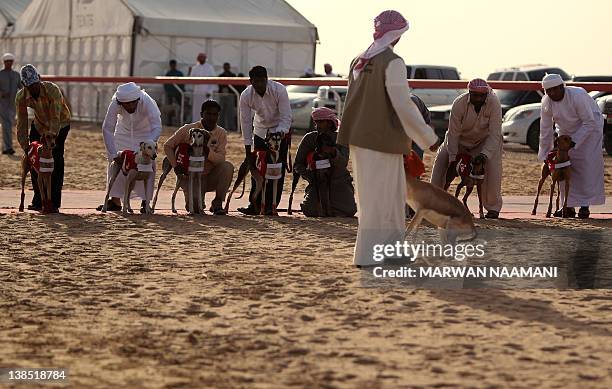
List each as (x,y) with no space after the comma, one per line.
(174,301)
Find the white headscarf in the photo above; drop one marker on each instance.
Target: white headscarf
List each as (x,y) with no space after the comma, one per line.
(551,80)
(388,27)
(128,92)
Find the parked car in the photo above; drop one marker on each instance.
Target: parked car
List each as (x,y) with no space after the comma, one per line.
(522,124)
(433,97)
(329,96)
(526,73)
(301,98)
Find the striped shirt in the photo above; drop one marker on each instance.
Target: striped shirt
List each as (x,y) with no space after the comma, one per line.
(51,112)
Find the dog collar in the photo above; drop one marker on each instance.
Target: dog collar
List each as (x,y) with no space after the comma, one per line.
(562,164)
(197,159)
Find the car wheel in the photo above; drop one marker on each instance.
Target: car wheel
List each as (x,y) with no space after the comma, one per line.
(608,142)
(533,136)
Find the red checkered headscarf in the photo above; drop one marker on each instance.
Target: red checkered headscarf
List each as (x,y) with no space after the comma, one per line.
(478,85)
(324,113)
(388,27)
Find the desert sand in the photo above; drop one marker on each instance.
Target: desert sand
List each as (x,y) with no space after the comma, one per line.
(237,301)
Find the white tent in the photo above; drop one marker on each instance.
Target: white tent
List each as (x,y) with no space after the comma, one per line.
(139,37)
(9,12)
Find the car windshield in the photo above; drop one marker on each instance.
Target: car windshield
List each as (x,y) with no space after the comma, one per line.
(508,97)
(302,89)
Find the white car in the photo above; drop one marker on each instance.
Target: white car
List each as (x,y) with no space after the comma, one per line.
(301,98)
(522,125)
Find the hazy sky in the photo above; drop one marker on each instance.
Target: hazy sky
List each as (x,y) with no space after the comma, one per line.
(476,36)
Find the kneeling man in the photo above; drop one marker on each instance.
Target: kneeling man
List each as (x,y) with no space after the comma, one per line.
(475,128)
(576,114)
(341,191)
(219,172)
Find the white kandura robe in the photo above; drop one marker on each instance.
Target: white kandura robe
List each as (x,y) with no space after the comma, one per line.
(124,131)
(578,116)
(380,179)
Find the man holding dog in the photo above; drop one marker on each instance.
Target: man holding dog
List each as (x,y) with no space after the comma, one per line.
(264,109)
(474,128)
(51,116)
(219,172)
(342,193)
(132,117)
(378,123)
(576,114)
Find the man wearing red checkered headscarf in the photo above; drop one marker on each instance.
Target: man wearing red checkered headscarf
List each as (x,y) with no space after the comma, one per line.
(379,123)
(475,128)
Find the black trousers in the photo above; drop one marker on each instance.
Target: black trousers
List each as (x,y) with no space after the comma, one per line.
(260,143)
(57,177)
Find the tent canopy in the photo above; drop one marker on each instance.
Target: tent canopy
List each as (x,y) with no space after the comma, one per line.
(10,11)
(265,20)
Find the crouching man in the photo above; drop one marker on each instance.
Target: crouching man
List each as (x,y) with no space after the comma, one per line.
(475,128)
(341,191)
(219,172)
(132,117)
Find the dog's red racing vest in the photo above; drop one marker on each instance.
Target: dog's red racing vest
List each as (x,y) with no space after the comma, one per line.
(182,156)
(129,161)
(413,165)
(35,160)
(551,161)
(464,164)
(260,161)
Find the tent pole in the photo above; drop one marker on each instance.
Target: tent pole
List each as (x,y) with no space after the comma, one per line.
(135,29)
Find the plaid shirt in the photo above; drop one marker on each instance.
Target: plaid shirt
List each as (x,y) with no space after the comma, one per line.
(51,112)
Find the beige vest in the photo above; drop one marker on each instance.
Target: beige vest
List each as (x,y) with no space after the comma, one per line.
(369,120)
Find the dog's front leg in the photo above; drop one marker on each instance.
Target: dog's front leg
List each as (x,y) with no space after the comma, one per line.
(179,179)
(567,188)
(148,177)
(262,207)
(468,192)
(479,192)
(190,190)
(201,196)
(415,222)
(130,181)
(274,192)
(552,192)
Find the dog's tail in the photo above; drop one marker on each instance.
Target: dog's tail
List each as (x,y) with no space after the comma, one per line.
(296,178)
(242,172)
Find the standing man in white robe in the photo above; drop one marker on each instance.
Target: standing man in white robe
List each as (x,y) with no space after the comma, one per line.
(201,92)
(132,117)
(576,114)
(378,123)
